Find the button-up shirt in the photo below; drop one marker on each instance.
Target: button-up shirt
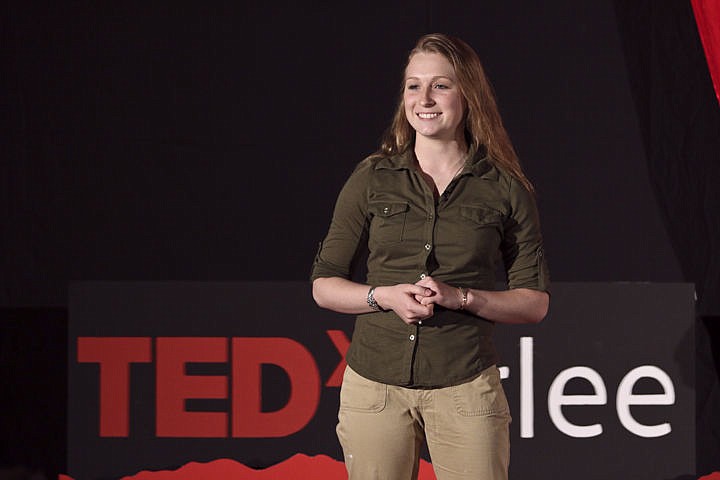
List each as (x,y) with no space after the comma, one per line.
(485,219)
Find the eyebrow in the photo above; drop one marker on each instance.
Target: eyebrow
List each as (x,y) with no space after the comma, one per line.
(436,77)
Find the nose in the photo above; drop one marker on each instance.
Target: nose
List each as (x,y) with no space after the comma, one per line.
(427,99)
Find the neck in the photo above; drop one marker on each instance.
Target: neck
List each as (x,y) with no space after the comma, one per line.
(439,156)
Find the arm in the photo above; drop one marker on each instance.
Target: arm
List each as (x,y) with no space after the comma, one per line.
(346,296)
(331,273)
(519,305)
(527,300)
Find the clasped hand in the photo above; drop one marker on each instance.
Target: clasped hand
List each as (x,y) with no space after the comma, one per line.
(442,294)
(414,303)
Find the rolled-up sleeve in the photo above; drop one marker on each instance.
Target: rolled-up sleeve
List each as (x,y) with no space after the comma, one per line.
(522,246)
(347,234)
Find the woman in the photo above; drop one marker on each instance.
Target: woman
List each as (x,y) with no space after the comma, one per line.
(435,209)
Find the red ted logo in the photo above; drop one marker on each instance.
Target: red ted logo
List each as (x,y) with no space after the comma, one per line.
(174,386)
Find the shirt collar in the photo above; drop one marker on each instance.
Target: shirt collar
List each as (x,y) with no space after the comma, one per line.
(480,165)
(403,161)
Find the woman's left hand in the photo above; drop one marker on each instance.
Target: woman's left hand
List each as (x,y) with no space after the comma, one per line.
(518,305)
(443,294)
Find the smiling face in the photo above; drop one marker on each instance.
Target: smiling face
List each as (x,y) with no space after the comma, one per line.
(433,103)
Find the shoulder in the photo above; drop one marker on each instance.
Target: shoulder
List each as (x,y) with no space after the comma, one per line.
(379,161)
(487,167)
(375,164)
(363,175)
(367,164)
(511,185)
(488,172)
(363,171)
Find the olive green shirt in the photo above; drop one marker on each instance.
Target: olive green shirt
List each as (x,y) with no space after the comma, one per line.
(386,209)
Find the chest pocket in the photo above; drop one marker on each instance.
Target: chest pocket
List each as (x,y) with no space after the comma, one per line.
(388,220)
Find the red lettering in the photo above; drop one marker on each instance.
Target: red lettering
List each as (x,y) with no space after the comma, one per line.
(114,354)
(174,387)
(248,355)
(341,342)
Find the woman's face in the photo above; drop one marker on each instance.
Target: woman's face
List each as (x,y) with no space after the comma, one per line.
(434,105)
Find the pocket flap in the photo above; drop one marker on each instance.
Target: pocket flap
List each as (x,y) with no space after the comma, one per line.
(482,215)
(388,209)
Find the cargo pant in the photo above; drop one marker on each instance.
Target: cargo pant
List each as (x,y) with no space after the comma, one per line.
(381,429)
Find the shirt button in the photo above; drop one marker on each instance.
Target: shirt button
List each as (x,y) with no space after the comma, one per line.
(428,246)
(386,210)
(412,338)
(422,275)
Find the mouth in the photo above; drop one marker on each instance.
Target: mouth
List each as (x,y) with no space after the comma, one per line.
(428,115)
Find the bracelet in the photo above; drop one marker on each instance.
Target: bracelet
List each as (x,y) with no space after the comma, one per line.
(371,300)
(463,298)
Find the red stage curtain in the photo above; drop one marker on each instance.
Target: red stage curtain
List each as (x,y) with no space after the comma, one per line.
(707,17)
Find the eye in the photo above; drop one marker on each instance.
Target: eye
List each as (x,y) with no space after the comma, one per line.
(441,86)
(412,86)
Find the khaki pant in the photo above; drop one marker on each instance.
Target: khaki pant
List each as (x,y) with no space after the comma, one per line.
(381,429)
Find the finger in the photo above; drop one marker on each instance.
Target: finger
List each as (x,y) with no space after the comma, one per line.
(426,308)
(428,313)
(425,301)
(422,290)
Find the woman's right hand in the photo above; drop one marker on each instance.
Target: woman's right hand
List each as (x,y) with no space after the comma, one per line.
(404,300)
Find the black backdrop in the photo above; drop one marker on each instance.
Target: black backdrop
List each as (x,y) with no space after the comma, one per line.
(178,142)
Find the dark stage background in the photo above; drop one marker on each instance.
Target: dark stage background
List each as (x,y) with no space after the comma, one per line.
(167,141)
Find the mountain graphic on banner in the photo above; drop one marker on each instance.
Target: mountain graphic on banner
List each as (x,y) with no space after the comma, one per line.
(297,467)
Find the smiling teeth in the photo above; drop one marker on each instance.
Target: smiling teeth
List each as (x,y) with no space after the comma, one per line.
(428,115)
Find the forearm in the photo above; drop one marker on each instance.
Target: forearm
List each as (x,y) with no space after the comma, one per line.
(520,305)
(341,295)
(345,296)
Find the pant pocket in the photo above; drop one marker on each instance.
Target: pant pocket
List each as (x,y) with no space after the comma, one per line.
(483,395)
(360,394)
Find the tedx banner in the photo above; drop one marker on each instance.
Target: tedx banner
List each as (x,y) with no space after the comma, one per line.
(241,381)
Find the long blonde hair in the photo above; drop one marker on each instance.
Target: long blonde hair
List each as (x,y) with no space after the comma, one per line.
(483,124)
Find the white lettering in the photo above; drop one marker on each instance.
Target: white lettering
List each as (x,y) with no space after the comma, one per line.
(527,393)
(625,398)
(557,398)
